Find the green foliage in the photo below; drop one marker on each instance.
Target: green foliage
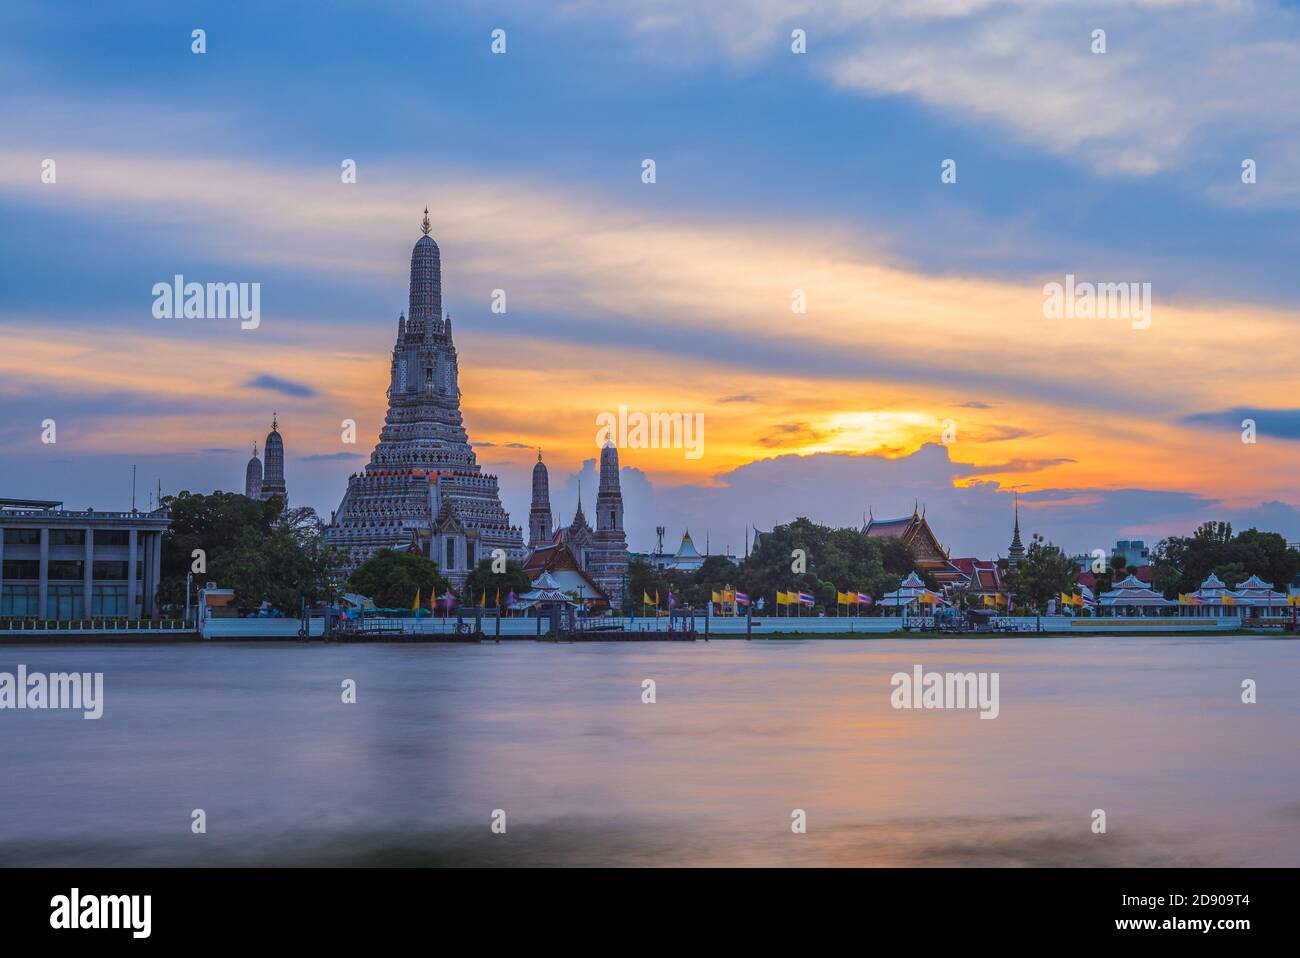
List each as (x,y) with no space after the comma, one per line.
(393,579)
(513,579)
(260,549)
(644,579)
(1182,563)
(836,559)
(1043,574)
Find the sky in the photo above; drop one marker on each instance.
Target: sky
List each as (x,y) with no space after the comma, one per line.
(923,368)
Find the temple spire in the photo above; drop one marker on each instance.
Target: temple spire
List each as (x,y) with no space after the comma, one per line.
(1017,550)
(425,227)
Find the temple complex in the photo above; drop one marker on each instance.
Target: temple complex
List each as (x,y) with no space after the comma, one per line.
(593,561)
(423,488)
(916,534)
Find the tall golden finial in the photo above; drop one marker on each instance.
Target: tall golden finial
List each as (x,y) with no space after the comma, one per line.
(274,423)
(539,453)
(425,227)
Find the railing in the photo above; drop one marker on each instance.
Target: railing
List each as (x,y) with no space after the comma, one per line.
(94,624)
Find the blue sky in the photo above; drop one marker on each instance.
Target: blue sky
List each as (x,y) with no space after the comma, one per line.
(1119,166)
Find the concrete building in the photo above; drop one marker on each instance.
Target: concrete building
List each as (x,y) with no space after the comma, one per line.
(57,563)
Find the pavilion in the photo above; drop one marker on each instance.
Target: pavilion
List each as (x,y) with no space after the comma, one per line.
(911,592)
(1132,593)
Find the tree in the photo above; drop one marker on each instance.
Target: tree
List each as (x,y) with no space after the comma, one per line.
(257,548)
(1043,574)
(832,560)
(644,579)
(394,579)
(483,579)
(1182,563)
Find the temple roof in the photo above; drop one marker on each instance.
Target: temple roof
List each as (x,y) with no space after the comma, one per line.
(687,549)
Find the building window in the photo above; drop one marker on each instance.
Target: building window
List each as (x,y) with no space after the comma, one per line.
(22,569)
(67,537)
(63,602)
(65,569)
(109,569)
(108,600)
(469,555)
(22,537)
(112,537)
(20,600)
(451,553)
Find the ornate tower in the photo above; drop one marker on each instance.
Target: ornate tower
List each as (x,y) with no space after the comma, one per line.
(253,476)
(425,310)
(422,487)
(539,515)
(273,477)
(609,560)
(1017,550)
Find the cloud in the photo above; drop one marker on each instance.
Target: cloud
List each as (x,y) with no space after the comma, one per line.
(1282,423)
(332,457)
(283,386)
(1178,76)
(970,516)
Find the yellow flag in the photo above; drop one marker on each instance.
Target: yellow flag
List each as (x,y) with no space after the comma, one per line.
(716,597)
(645,598)
(1229,599)
(416,604)
(780,597)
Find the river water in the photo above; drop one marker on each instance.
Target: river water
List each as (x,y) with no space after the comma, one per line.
(1152,731)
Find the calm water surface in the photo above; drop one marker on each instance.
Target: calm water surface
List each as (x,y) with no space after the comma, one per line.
(1151,730)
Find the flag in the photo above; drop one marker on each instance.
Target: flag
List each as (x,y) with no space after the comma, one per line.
(864,598)
(497,601)
(843,598)
(1066,600)
(656,600)
(781,599)
(805,598)
(672,601)
(990,600)
(645,598)
(511,598)
(1229,599)
(741,598)
(415,606)
(482,602)
(716,597)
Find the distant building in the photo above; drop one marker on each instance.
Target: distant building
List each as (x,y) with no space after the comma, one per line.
(259,484)
(57,563)
(687,558)
(253,476)
(1134,551)
(273,473)
(540,519)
